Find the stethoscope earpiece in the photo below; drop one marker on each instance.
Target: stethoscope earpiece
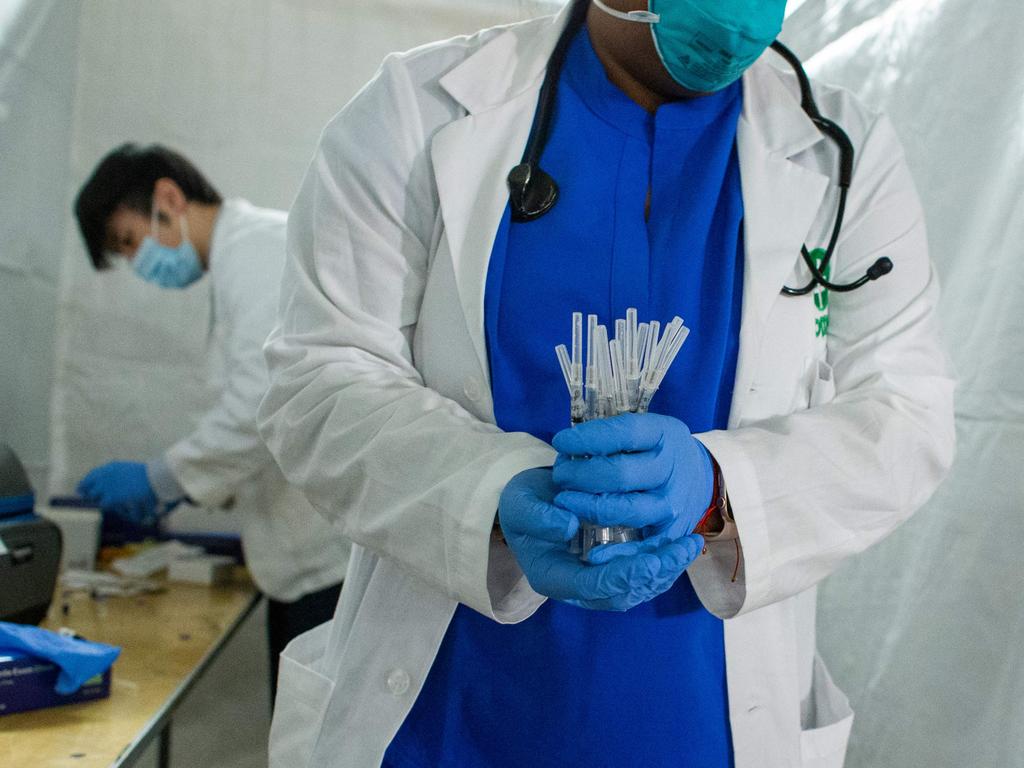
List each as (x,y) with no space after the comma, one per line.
(880,268)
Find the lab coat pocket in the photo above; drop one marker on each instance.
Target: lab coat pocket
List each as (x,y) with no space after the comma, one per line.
(823,385)
(771,397)
(303,695)
(826,721)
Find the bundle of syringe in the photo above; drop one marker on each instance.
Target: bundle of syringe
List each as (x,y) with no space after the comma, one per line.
(621,375)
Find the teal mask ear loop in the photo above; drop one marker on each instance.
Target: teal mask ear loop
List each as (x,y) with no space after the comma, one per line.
(643,17)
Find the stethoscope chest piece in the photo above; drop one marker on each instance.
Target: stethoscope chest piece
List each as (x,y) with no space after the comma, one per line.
(532,192)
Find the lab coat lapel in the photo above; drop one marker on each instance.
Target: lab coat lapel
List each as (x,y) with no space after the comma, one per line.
(781,200)
(472,156)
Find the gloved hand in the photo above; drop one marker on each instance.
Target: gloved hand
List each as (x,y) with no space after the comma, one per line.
(537,531)
(121,487)
(638,470)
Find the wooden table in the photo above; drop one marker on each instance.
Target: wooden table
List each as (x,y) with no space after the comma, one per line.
(167,642)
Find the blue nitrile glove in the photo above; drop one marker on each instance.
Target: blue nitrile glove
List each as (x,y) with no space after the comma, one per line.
(638,470)
(79,660)
(537,531)
(121,487)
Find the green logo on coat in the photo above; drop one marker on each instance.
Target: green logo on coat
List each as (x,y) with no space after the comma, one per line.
(821,295)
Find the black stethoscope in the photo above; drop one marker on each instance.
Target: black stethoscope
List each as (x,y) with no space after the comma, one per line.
(532,192)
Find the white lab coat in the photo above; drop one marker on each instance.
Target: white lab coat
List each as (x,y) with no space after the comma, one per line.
(290,550)
(380,404)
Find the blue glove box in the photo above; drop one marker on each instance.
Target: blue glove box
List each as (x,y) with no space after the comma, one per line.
(28,683)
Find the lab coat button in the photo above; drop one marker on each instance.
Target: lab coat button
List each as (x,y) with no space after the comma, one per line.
(471,388)
(398,681)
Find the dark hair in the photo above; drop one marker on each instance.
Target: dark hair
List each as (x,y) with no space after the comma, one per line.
(125,177)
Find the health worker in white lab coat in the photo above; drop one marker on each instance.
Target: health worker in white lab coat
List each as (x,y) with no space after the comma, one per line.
(152,206)
(458,210)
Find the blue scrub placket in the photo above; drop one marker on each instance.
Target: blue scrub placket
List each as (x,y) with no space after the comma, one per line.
(570,686)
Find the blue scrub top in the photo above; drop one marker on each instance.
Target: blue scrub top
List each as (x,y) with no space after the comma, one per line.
(568,686)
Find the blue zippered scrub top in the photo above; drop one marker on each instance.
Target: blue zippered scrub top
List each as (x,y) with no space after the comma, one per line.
(569,686)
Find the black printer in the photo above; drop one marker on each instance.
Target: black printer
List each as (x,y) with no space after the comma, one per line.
(30,547)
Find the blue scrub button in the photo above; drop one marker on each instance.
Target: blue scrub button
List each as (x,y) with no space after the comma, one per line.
(398,681)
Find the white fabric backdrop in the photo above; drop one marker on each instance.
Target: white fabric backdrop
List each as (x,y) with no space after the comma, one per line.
(925,631)
(38,51)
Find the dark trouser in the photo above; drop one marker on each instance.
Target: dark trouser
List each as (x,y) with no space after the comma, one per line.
(288,620)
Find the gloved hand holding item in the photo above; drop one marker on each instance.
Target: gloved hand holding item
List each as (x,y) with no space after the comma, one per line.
(537,531)
(638,470)
(121,487)
(78,659)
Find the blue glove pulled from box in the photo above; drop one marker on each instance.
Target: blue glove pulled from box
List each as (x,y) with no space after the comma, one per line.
(79,660)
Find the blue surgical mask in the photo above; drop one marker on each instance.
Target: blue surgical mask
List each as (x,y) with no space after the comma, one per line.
(167,266)
(708,44)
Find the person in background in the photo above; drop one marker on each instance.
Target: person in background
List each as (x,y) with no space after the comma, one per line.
(416,398)
(150,205)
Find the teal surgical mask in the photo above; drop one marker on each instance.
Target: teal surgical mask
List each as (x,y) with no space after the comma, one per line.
(708,44)
(167,266)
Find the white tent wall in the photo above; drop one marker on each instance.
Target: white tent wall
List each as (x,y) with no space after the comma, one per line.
(243,88)
(813,24)
(38,51)
(924,631)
